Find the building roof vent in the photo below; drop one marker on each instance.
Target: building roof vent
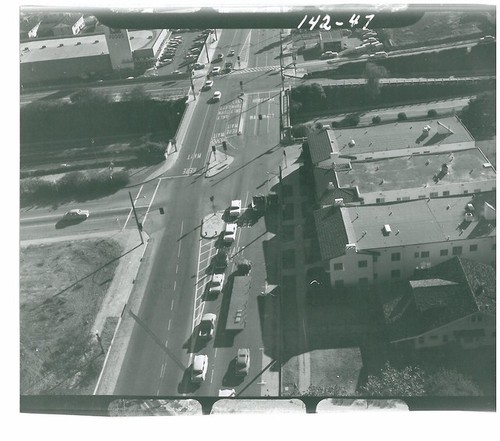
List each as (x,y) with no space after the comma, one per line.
(96,41)
(352,143)
(331,186)
(78,43)
(61,45)
(386,230)
(43,47)
(468,217)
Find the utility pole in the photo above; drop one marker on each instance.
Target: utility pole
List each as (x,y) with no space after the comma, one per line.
(139,225)
(206,50)
(190,71)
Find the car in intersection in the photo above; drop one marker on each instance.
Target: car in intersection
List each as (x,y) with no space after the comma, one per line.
(231,53)
(242,362)
(199,368)
(207,326)
(216,284)
(229,233)
(76,214)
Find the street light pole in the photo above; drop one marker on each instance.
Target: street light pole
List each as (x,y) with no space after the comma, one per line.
(139,226)
(190,71)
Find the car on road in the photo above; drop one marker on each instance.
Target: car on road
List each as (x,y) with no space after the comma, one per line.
(380,54)
(216,71)
(208,85)
(216,284)
(207,326)
(190,56)
(220,261)
(235,208)
(329,54)
(176,72)
(76,214)
(227,393)
(231,53)
(217,96)
(199,368)
(486,39)
(242,365)
(229,233)
(198,66)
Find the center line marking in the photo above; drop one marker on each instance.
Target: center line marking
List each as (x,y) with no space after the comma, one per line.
(212,376)
(175,284)
(169,325)
(172,305)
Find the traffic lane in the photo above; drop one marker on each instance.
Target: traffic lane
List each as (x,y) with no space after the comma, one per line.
(155,361)
(265,49)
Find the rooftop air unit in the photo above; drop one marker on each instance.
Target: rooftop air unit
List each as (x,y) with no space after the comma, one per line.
(331,186)
(468,217)
(339,202)
(387,230)
(78,43)
(352,143)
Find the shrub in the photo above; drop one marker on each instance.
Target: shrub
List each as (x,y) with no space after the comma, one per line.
(376,119)
(335,124)
(402,116)
(318,125)
(432,113)
(351,120)
(300,130)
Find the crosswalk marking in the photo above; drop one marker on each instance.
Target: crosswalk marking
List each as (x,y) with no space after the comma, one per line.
(256,69)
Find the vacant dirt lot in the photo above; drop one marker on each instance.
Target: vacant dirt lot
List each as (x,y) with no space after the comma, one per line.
(61,289)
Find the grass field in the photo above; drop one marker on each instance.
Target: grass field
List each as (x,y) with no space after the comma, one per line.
(61,289)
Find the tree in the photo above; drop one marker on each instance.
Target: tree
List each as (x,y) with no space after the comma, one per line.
(376,119)
(391,382)
(88,97)
(373,73)
(351,120)
(325,391)
(432,113)
(402,116)
(479,116)
(451,383)
(138,94)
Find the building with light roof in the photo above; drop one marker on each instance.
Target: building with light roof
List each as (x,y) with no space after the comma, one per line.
(366,244)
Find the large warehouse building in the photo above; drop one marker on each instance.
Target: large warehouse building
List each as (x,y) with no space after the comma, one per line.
(87,56)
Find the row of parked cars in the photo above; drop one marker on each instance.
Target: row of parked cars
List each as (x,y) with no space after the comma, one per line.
(206,328)
(168,52)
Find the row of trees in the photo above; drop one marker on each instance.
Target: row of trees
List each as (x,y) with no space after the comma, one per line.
(410,381)
(90,114)
(74,185)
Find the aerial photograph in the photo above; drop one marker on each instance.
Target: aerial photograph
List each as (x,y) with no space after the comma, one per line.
(289,210)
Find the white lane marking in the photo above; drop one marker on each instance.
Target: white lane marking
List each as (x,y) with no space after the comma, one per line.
(162,372)
(176,268)
(172,305)
(169,322)
(212,376)
(215,353)
(150,203)
(166,343)
(131,209)
(180,241)
(175,284)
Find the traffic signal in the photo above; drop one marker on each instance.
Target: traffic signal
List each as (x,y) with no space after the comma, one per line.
(260,116)
(213,148)
(238,58)
(224,145)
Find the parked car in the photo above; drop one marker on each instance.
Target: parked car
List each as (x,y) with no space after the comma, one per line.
(216,284)
(198,66)
(329,54)
(76,214)
(235,208)
(229,233)
(380,54)
(217,96)
(231,53)
(216,71)
(207,326)
(199,368)
(486,39)
(242,365)
(208,85)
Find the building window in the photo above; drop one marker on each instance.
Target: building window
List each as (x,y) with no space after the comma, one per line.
(395,257)
(406,198)
(363,281)
(434,337)
(338,266)
(479,318)
(375,259)
(375,275)
(473,247)
(380,200)
(362,263)
(421,339)
(395,274)
(446,193)
(473,319)
(416,255)
(445,338)
(398,199)
(466,191)
(457,251)
(424,254)
(434,194)
(421,196)
(443,253)
(339,283)
(477,190)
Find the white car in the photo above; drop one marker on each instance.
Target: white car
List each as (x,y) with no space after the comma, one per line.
(199,368)
(217,96)
(235,208)
(216,284)
(76,214)
(216,70)
(242,365)
(207,325)
(208,85)
(230,233)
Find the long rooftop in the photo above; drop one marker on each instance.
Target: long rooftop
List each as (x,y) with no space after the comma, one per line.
(416,171)
(400,135)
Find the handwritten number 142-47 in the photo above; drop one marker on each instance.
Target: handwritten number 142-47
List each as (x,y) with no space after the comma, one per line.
(325,22)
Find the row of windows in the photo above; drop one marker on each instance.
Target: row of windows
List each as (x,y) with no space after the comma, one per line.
(396,257)
(432,194)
